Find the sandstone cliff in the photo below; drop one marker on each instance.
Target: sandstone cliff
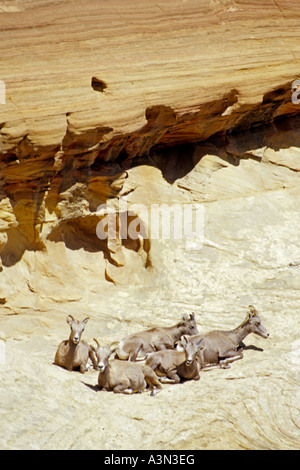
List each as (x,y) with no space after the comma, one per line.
(140,103)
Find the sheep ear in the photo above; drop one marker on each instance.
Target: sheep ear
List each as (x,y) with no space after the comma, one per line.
(185,317)
(183,339)
(179,346)
(70,319)
(192,316)
(252,312)
(111,352)
(85,320)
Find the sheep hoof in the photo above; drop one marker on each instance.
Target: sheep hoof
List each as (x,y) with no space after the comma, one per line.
(225,366)
(154,392)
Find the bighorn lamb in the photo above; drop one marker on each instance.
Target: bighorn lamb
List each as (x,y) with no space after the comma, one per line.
(137,346)
(171,364)
(72,353)
(123,376)
(219,348)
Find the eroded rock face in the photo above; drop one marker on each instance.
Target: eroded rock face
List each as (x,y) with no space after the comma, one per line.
(175,103)
(70,207)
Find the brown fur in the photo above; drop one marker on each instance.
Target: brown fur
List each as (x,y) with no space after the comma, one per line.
(139,345)
(123,376)
(219,348)
(73,353)
(173,364)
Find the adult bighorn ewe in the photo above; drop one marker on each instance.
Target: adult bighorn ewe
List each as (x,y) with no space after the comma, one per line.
(138,345)
(73,353)
(171,364)
(219,348)
(123,376)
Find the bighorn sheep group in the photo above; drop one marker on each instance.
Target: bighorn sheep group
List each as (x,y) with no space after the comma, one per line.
(218,348)
(169,354)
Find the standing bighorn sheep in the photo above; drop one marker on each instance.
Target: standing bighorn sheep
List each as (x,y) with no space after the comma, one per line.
(123,376)
(171,364)
(139,345)
(219,348)
(73,353)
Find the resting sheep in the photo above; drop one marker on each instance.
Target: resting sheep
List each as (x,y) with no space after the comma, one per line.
(219,348)
(73,353)
(172,365)
(123,376)
(139,345)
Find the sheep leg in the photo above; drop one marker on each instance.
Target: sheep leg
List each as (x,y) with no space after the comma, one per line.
(172,377)
(224,362)
(83,368)
(152,381)
(166,380)
(133,356)
(122,389)
(141,359)
(155,391)
(128,391)
(205,367)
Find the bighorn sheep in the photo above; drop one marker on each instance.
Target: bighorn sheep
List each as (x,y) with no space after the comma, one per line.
(137,346)
(123,376)
(219,348)
(172,364)
(72,353)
